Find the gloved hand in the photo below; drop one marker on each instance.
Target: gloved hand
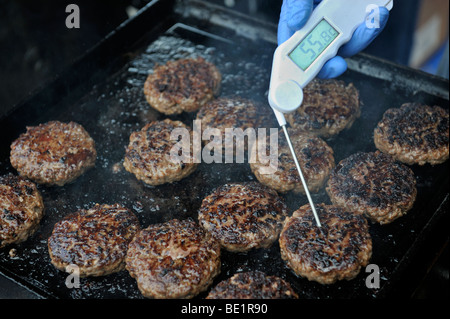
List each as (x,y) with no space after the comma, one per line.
(295,14)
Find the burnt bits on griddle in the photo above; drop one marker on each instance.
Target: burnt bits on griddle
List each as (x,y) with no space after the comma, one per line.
(95,240)
(21,209)
(336,251)
(149,155)
(329,106)
(175,259)
(373,184)
(53,153)
(314,156)
(252,285)
(183,85)
(414,134)
(243,216)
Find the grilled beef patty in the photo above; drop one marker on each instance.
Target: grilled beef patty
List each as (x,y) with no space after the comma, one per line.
(182,86)
(21,209)
(53,153)
(233,113)
(336,251)
(314,156)
(414,134)
(96,240)
(329,106)
(175,259)
(243,216)
(148,156)
(252,285)
(373,184)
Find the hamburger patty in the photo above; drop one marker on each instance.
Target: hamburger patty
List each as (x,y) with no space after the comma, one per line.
(243,216)
(336,251)
(175,259)
(230,112)
(373,184)
(95,240)
(148,156)
(53,153)
(252,285)
(414,134)
(314,156)
(329,106)
(21,209)
(182,86)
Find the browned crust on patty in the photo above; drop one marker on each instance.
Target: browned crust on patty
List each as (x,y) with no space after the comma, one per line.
(329,106)
(252,285)
(336,251)
(53,153)
(21,209)
(183,85)
(96,240)
(148,155)
(175,259)
(315,158)
(243,216)
(373,184)
(231,113)
(414,134)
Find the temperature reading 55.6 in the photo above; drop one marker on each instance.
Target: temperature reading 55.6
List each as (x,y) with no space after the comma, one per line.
(313,44)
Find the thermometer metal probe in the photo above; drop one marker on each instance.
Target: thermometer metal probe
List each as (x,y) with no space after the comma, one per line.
(298,60)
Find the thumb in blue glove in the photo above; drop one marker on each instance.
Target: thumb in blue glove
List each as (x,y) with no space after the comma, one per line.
(295,14)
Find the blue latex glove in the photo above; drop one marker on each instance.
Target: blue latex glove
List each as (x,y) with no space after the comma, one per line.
(295,14)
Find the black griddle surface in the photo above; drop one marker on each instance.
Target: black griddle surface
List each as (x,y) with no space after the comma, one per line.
(115,106)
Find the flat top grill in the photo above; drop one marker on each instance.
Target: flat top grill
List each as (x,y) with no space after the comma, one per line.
(103,91)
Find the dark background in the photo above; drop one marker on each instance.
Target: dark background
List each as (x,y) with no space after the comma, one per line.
(35,46)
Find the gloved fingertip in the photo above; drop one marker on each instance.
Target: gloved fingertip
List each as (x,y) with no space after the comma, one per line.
(364,36)
(284,33)
(333,68)
(382,19)
(384,15)
(298,13)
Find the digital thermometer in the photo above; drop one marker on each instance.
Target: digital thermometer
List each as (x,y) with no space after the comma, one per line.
(298,60)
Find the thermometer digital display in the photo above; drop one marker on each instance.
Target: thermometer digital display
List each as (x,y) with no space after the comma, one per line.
(314,44)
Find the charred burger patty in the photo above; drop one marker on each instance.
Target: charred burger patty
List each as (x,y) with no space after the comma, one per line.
(148,155)
(315,158)
(329,106)
(242,216)
(252,285)
(183,85)
(21,209)
(53,153)
(414,134)
(336,251)
(175,259)
(373,184)
(96,240)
